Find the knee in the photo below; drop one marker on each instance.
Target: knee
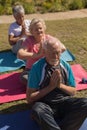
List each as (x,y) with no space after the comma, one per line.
(38,108)
(84,102)
(24,78)
(38,111)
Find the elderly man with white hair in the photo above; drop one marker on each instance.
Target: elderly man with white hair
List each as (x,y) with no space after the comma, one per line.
(51,90)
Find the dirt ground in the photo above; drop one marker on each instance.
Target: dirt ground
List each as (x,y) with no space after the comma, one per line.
(49,16)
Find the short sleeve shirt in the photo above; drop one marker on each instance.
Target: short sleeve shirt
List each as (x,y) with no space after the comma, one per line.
(38,74)
(15,29)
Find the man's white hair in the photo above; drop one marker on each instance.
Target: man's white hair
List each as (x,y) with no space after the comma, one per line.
(51,43)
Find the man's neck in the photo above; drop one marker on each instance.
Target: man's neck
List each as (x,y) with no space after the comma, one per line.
(54,66)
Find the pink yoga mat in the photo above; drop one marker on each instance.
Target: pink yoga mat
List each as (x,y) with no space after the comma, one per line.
(11,88)
(79,73)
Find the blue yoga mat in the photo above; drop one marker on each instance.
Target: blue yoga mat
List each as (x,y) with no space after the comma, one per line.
(84,125)
(18,121)
(67,56)
(9,62)
(22,121)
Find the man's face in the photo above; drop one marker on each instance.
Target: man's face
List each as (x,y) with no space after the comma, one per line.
(19,18)
(53,55)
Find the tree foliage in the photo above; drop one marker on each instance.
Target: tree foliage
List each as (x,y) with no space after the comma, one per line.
(42,6)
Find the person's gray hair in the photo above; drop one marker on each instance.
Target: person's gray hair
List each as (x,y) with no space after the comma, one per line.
(51,43)
(18,9)
(35,21)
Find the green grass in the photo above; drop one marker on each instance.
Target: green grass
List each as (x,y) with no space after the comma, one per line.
(73,33)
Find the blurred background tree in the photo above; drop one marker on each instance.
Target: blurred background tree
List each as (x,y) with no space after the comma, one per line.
(42,6)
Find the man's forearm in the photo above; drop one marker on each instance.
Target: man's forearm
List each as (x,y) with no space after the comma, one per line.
(67,89)
(34,96)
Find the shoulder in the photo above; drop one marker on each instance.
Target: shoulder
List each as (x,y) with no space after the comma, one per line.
(29,42)
(12,27)
(65,65)
(13,24)
(30,39)
(47,36)
(27,21)
(39,64)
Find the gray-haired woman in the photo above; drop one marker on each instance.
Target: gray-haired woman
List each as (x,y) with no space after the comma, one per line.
(18,30)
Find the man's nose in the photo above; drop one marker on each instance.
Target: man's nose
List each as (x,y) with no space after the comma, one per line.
(56,55)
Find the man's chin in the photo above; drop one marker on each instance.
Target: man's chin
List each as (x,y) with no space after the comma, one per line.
(54,63)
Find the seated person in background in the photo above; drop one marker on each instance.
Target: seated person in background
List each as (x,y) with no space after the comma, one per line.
(31,49)
(50,90)
(18,30)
